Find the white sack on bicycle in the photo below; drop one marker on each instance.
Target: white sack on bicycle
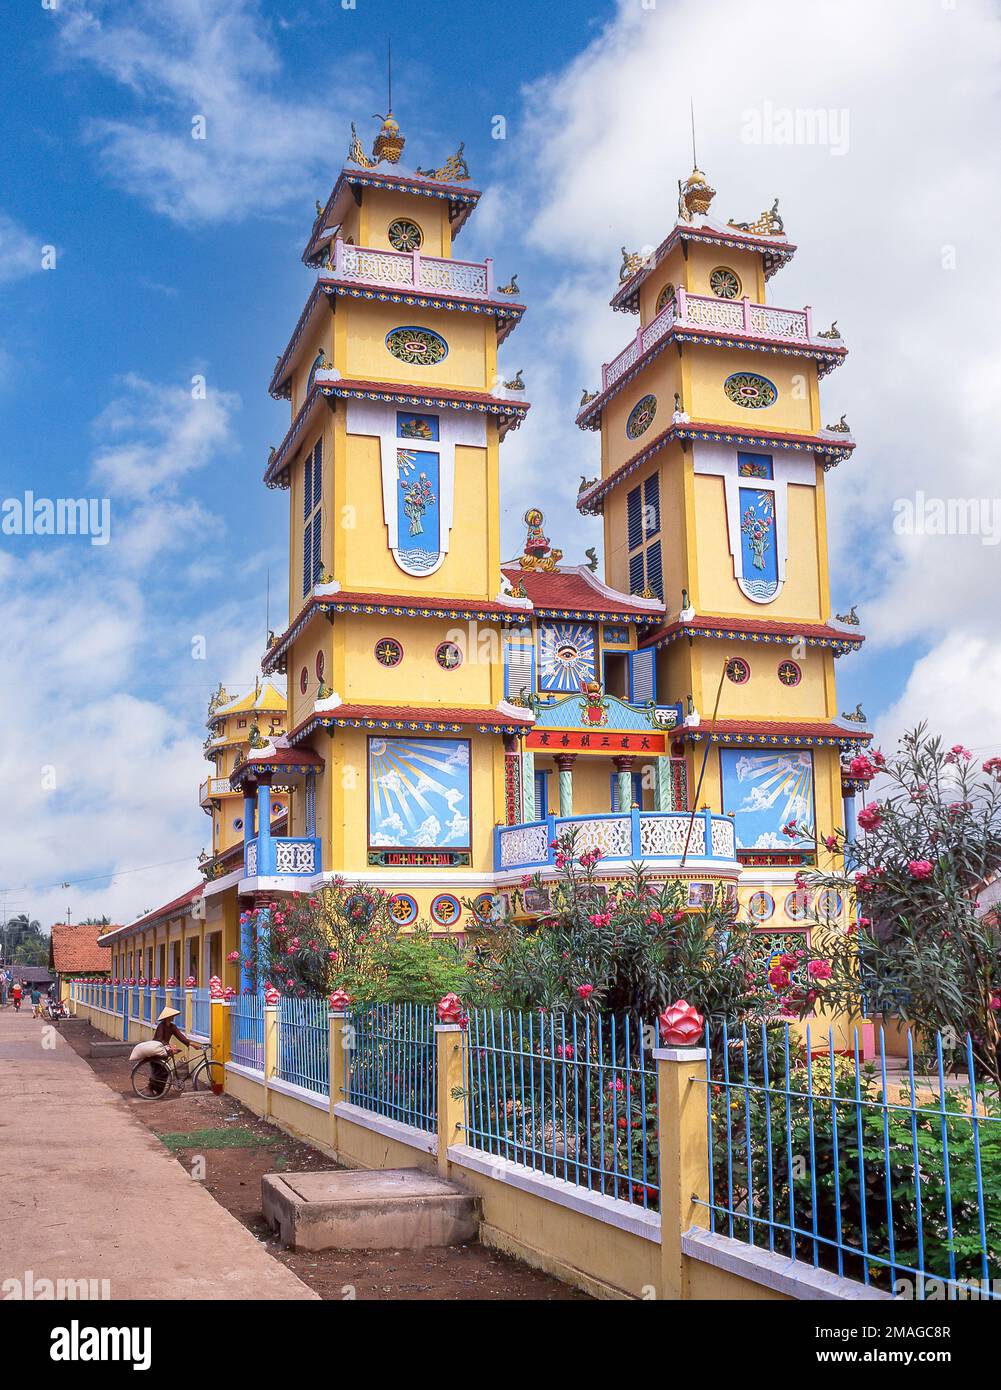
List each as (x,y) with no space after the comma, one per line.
(148,1049)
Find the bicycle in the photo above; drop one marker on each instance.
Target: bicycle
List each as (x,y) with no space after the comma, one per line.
(153,1078)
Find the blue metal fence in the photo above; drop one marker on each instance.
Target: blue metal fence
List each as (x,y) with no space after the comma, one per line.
(569,1097)
(873,1175)
(391,1062)
(304,1043)
(246,1030)
(201,1013)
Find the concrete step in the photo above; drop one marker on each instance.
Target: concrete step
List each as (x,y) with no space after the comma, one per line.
(358,1209)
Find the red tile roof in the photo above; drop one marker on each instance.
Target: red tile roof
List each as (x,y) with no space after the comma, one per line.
(577,590)
(77,950)
(406,716)
(170,909)
(779,627)
(777,729)
(397,605)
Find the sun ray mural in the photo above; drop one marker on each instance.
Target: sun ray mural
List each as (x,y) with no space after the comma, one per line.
(418,793)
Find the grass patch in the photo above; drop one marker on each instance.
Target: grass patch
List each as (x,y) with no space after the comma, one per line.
(218,1139)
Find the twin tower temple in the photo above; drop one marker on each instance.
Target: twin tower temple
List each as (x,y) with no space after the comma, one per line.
(451,711)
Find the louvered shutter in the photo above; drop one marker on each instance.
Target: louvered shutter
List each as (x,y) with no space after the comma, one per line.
(642,677)
(651,505)
(518,662)
(654,570)
(634,518)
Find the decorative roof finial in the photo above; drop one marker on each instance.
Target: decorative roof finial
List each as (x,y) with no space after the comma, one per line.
(539,555)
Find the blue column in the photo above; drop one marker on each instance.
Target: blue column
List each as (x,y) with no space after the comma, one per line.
(265,856)
(851,828)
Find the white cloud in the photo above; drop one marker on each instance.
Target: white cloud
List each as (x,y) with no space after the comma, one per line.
(265,143)
(101,699)
(879,227)
(956,688)
(20,253)
(156,434)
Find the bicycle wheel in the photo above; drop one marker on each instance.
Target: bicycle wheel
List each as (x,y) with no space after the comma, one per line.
(151,1079)
(209,1076)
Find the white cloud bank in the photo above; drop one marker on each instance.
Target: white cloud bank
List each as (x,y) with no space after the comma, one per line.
(896,222)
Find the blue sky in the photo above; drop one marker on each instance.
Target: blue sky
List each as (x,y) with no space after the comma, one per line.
(177,258)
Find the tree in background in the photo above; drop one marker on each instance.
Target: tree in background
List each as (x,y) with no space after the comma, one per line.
(920,948)
(23,942)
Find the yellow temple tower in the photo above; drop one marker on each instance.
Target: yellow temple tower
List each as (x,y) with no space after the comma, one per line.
(713,463)
(391,462)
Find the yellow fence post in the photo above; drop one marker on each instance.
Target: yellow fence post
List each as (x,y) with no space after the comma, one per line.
(341,1039)
(684,1158)
(449,1042)
(271,1026)
(219,1030)
(189,1010)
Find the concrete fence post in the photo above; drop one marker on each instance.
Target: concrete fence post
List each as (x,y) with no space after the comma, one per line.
(189,1010)
(219,1030)
(684,1158)
(450,1043)
(341,1040)
(271,1026)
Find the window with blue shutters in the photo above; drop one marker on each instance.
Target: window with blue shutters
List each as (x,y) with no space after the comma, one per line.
(541,795)
(642,523)
(312,498)
(613,791)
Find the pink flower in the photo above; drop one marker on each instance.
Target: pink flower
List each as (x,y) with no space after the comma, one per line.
(790,830)
(819,969)
(233,957)
(654,918)
(585,991)
(678,917)
(778,977)
(958,753)
(920,868)
(831,842)
(861,768)
(871,817)
(600,920)
(993,765)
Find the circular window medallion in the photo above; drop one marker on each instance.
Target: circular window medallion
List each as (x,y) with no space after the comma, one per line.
(667,296)
(405,235)
(418,346)
(724,283)
(797,905)
(238,823)
(388,652)
(760,906)
(446,909)
(737,670)
(304,680)
(751,391)
(448,656)
(483,906)
(641,416)
(403,909)
(829,904)
(789,673)
(319,666)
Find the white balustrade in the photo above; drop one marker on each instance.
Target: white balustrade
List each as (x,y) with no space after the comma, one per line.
(411,270)
(737,316)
